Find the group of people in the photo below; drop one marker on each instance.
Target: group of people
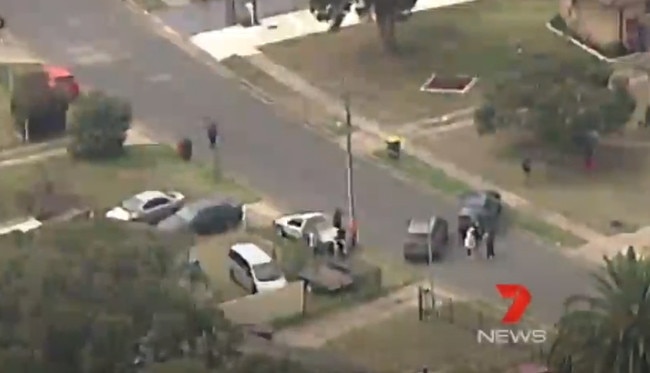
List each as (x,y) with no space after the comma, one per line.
(474,237)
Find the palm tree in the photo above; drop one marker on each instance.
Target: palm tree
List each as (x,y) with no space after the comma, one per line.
(386,14)
(608,332)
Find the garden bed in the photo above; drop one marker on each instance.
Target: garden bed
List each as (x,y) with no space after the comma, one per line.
(449,84)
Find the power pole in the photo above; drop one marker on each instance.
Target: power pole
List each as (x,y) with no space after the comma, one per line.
(350,170)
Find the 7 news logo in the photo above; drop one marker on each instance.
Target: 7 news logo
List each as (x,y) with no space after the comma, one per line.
(521,299)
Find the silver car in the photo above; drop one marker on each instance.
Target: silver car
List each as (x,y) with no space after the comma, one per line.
(149,207)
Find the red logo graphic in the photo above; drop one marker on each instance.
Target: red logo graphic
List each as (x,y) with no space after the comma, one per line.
(521,298)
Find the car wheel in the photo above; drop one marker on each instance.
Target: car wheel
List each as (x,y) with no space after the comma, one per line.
(280,232)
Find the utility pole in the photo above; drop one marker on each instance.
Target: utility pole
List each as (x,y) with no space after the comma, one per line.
(350,170)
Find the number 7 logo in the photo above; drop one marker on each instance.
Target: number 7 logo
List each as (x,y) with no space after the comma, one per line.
(521,299)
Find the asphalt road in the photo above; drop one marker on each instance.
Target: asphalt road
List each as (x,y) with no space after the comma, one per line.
(110,47)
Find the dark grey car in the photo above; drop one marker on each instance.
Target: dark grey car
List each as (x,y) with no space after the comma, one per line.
(206,216)
(479,207)
(422,234)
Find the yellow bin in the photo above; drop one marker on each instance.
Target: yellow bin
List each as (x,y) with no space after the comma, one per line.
(394,146)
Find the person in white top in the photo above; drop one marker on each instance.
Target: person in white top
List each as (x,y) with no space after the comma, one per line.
(470,240)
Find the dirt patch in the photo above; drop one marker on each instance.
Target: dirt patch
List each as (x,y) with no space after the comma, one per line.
(614,190)
(481,39)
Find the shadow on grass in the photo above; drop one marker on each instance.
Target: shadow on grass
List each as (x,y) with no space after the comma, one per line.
(437,179)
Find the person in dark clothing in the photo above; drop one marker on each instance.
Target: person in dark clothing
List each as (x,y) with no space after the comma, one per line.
(489,244)
(213,132)
(337,219)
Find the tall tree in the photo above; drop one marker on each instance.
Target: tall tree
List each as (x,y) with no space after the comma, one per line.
(76,299)
(608,332)
(558,101)
(386,14)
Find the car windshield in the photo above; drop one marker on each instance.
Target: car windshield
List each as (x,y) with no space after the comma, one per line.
(132,204)
(186,213)
(267,272)
(417,237)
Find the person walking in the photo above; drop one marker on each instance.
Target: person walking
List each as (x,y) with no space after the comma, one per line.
(212,131)
(489,243)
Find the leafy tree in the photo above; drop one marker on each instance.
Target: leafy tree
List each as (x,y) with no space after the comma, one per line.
(99,123)
(386,14)
(608,332)
(559,102)
(76,299)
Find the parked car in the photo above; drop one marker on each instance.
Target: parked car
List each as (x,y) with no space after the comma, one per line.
(62,79)
(253,269)
(480,207)
(424,233)
(19,225)
(150,207)
(205,216)
(301,225)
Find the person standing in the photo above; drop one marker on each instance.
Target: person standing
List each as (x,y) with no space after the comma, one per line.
(489,243)
(337,218)
(470,240)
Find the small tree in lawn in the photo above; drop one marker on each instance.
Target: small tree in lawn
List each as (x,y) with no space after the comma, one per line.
(559,102)
(98,126)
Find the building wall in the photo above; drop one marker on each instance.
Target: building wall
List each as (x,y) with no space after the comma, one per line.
(594,23)
(263,308)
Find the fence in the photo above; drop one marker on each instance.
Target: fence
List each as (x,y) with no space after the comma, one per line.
(474,316)
(263,308)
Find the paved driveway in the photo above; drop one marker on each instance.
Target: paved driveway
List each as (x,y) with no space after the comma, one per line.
(107,46)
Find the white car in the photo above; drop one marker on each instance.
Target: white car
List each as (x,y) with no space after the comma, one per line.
(301,225)
(150,206)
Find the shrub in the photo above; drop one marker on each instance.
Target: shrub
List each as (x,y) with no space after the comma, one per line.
(98,127)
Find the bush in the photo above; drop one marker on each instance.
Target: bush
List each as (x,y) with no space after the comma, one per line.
(98,126)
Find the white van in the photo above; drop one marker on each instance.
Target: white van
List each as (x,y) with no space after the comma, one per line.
(253,269)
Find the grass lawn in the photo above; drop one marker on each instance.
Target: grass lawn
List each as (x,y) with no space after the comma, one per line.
(287,102)
(402,343)
(103,184)
(477,39)
(615,190)
(418,170)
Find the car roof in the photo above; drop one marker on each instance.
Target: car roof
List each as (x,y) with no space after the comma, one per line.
(25,225)
(213,201)
(306,215)
(251,253)
(418,226)
(150,194)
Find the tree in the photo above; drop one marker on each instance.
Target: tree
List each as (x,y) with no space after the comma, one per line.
(608,332)
(386,14)
(99,123)
(75,299)
(559,102)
